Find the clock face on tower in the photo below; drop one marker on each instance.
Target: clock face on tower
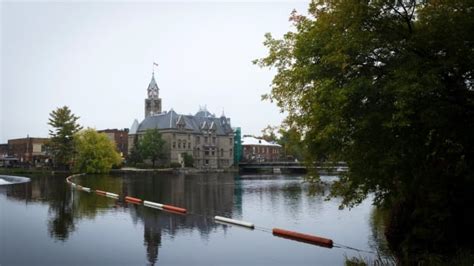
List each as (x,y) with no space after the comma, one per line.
(152,93)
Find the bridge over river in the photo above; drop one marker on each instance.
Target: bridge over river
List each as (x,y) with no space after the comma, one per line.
(291,167)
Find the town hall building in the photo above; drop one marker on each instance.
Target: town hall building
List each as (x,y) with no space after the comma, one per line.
(207,138)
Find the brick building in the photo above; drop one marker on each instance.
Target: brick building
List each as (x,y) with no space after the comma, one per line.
(260,150)
(119,137)
(28,150)
(3,150)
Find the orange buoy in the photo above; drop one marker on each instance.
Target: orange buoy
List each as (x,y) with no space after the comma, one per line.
(174,212)
(175,209)
(316,240)
(100,192)
(133,200)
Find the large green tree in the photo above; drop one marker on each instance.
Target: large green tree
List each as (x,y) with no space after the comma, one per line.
(95,153)
(61,145)
(387,86)
(150,146)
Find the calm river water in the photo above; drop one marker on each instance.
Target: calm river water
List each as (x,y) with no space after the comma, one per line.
(45,222)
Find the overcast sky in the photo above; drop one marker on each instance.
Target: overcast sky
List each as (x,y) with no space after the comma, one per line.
(96,58)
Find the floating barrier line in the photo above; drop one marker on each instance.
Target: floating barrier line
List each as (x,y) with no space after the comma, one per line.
(132,199)
(153,204)
(173,208)
(100,192)
(111,195)
(336,245)
(311,239)
(263,229)
(233,221)
(320,241)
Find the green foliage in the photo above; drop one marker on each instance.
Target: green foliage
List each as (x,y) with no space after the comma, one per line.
(188,160)
(389,90)
(175,165)
(135,157)
(291,143)
(95,152)
(150,146)
(61,145)
(268,133)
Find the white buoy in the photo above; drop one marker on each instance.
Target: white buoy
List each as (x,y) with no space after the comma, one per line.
(111,195)
(153,204)
(236,222)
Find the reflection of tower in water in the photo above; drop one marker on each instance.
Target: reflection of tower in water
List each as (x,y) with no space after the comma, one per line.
(152,237)
(207,195)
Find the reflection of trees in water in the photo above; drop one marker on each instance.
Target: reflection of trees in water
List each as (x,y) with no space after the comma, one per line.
(207,195)
(64,208)
(52,190)
(378,241)
(61,222)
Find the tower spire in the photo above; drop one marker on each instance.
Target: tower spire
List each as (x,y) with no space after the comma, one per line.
(153,102)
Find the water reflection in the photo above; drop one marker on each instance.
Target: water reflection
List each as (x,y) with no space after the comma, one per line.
(53,191)
(203,196)
(267,199)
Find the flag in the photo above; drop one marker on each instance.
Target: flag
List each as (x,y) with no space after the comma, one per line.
(155,64)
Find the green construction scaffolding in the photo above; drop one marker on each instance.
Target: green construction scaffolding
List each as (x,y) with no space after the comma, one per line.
(237,146)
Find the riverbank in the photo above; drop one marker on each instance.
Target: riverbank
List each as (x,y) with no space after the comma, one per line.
(185,170)
(34,171)
(20,171)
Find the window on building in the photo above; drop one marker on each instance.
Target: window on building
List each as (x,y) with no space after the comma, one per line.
(230,141)
(206,152)
(213,140)
(212,152)
(198,139)
(189,145)
(231,152)
(174,144)
(207,162)
(179,144)
(222,152)
(205,139)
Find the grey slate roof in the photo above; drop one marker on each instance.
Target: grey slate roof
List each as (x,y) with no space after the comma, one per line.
(134,127)
(192,123)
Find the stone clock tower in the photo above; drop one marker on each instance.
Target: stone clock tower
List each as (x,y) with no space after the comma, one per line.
(153,102)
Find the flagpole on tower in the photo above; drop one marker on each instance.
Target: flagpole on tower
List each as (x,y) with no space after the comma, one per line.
(154,64)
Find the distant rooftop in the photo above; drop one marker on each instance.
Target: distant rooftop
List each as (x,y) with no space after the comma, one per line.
(255,141)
